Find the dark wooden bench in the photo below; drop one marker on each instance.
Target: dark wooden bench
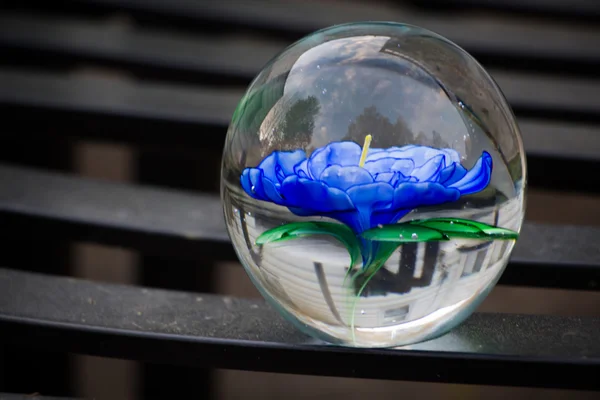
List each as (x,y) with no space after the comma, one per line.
(165,78)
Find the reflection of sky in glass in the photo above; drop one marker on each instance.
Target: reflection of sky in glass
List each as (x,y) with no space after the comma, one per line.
(350,74)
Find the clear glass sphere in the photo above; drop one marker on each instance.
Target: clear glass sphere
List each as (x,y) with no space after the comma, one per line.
(373,184)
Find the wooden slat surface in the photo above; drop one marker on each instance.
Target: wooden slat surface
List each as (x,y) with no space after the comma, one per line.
(487,34)
(588,10)
(65,314)
(185,225)
(109,108)
(560,140)
(150,52)
(31,396)
(527,92)
(157,221)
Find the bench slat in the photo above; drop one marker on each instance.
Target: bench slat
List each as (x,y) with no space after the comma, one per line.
(186,225)
(158,221)
(487,34)
(15,396)
(551,96)
(147,52)
(66,314)
(586,9)
(114,109)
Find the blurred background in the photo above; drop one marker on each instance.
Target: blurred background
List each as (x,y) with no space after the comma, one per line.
(180,45)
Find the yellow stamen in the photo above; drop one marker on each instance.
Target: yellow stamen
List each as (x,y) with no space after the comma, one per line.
(365,150)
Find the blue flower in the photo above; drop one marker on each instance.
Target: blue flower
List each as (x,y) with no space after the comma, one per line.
(390,184)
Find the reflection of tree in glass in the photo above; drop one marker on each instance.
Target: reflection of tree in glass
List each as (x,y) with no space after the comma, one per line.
(435,140)
(385,134)
(299,123)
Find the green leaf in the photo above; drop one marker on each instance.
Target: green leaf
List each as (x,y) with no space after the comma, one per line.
(403,233)
(452,229)
(438,229)
(464,228)
(303,229)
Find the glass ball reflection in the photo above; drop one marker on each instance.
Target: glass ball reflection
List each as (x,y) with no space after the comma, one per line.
(373,184)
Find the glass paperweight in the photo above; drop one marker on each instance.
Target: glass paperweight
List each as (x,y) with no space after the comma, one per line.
(373,184)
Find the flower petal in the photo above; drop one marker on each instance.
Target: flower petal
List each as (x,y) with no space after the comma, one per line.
(393,178)
(404,165)
(280,164)
(422,154)
(268,165)
(344,178)
(301,169)
(392,152)
(256,180)
(452,174)
(385,177)
(367,199)
(380,165)
(412,195)
(477,178)
(272,191)
(430,171)
(314,195)
(336,153)
(246,184)
(374,196)
(374,150)
(252,182)
(452,156)
(419,154)
(390,164)
(288,160)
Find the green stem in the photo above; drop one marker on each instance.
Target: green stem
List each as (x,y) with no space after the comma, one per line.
(377,261)
(357,298)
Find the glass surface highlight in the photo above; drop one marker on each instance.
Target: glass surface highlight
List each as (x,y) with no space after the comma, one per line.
(373,184)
